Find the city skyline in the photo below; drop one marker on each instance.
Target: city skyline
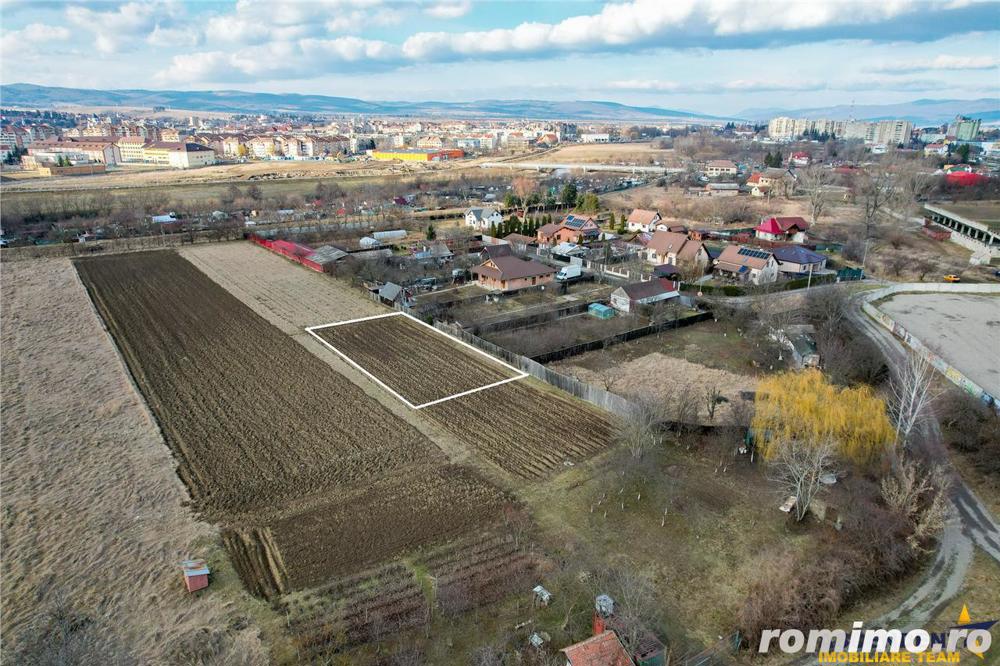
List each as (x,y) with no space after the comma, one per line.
(712,57)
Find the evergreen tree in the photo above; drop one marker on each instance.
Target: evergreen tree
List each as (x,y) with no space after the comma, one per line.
(569,194)
(493,230)
(431,234)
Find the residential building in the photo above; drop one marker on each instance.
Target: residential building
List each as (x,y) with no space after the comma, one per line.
(669,247)
(786,229)
(483,218)
(799,159)
(716,168)
(722,189)
(746,264)
(595,137)
(511,273)
(572,229)
(170,135)
(101,151)
(178,155)
(629,297)
(131,148)
(642,220)
(939,149)
(797,260)
(262,147)
(964,129)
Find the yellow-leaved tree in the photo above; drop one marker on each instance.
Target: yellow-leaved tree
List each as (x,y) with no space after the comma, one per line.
(805,407)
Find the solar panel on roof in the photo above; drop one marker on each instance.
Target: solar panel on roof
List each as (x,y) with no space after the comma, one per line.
(749,252)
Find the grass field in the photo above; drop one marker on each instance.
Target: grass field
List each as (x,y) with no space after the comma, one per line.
(95,520)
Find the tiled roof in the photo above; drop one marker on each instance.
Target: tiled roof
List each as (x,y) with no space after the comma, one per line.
(604,649)
(512,268)
(643,217)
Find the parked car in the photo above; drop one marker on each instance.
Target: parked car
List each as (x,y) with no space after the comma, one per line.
(952,278)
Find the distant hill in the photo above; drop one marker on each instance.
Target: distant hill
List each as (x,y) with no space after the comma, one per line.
(235,101)
(920,111)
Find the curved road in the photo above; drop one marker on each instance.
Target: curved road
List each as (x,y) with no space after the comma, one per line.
(971,523)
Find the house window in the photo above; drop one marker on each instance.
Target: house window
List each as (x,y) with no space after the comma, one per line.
(533,280)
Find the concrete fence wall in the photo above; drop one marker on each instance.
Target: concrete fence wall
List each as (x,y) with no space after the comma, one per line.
(914,343)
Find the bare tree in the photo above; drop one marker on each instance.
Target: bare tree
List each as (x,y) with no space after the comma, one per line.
(713,396)
(814,181)
(876,191)
(798,467)
(921,497)
(634,594)
(911,395)
(641,430)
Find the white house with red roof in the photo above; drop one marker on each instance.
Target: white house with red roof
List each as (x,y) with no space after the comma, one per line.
(787,229)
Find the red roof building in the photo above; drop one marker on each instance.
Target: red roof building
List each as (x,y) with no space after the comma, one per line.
(603,649)
(790,229)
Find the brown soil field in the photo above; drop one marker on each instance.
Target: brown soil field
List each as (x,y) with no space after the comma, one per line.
(419,363)
(295,296)
(252,416)
(386,518)
(524,429)
(94,516)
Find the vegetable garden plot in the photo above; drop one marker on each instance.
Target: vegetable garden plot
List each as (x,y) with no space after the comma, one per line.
(412,360)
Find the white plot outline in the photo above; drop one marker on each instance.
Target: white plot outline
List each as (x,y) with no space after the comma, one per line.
(312,331)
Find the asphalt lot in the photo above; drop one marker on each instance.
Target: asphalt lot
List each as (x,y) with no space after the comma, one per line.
(964,329)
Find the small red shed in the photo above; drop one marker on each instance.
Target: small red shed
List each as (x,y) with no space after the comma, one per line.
(195,574)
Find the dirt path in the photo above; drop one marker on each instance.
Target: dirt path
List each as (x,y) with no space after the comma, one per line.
(93,511)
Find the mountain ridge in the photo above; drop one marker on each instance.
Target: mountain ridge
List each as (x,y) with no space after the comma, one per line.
(236,101)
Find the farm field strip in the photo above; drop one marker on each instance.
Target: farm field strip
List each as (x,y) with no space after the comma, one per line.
(407,356)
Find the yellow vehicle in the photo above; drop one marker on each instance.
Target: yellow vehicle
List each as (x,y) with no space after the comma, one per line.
(952,278)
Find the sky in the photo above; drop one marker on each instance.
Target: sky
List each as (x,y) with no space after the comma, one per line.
(712,56)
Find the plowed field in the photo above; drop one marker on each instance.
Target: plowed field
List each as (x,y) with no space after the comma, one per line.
(523,429)
(419,363)
(254,416)
(311,476)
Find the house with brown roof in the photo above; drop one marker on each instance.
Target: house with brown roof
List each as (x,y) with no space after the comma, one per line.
(642,220)
(716,168)
(671,247)
(604,649)
(747,264)
(626,298)
(572,229)
(510,273)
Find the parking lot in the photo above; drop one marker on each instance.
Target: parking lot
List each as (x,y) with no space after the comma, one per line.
(964,329)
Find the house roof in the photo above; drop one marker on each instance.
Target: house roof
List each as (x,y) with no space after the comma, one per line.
(518,238)
(604,649)
(512,268)
(494,251)
(722,164)
(575,222)
(797,254)
(642,216)
(736,257)
(690,250)
(390,291)
(781,225)
(667,241)
(638,291)
(480,213)
(549,229)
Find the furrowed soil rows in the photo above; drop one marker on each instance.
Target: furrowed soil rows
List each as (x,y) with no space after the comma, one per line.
(419,363)
(524,430)
(254,417)
(383,520)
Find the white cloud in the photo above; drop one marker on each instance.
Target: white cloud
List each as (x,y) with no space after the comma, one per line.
(125,26)
(940,63)
(276,59)
(449,9)
(747,86)
(33,39)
